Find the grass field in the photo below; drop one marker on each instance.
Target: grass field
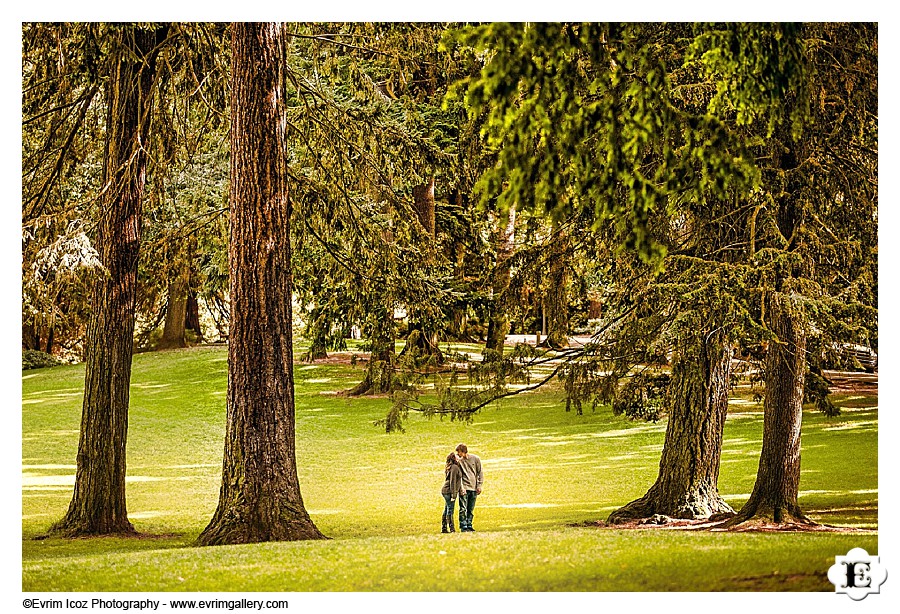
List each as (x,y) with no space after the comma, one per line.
(377,495)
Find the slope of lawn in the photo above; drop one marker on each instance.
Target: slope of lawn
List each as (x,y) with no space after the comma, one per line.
(377,495)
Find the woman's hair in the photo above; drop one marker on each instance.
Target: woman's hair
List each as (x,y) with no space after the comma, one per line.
(451,459)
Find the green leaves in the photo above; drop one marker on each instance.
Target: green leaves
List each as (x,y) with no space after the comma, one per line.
(583,121)
(757,68)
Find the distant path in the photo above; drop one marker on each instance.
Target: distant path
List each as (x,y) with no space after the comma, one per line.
(576,341)
(853,382)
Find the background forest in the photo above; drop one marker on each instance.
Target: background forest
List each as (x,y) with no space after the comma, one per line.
(651,229)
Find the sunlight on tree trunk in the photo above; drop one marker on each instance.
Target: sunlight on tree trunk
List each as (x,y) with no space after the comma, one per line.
(774,496)
(260,495)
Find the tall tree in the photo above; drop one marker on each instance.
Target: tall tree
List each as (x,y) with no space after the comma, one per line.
(98,503)
(260,496)
(816,231)
(696,400)
(504,243)
(422,341)
(555,303)
(176,310)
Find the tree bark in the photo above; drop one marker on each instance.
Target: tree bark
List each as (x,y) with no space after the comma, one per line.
(774,496)
(422,341)
(687,485)
(459,318)
(498,321)
(423,202)
(98,503)
(557,300)
(176,313)
(192,317)
(259,499)
(317,331)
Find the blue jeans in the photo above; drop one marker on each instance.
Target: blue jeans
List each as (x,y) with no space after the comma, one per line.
(466,505)
(447,519)
(449,504)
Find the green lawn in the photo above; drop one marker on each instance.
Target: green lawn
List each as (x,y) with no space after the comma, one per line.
(377,495)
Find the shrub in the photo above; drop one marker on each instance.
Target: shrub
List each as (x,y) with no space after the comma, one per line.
(35,359)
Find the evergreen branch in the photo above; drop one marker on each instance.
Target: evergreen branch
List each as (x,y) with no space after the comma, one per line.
(40,197)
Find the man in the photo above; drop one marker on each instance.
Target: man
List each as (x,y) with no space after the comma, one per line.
(472,478)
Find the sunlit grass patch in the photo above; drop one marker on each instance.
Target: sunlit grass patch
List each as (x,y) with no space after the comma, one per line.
(377,495)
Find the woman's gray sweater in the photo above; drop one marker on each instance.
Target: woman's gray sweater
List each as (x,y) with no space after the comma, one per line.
(453,483)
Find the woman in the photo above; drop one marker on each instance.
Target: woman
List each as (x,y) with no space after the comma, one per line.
(452,488)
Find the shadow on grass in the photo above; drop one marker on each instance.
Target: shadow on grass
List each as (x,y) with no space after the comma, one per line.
(52,547)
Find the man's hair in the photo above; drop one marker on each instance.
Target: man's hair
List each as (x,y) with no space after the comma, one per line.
(462,448)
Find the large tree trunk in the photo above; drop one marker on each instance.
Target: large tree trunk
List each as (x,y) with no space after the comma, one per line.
(498,321)
(422,341)
(317,333)
(98,503)
(260,495)
(557,297)
(380,377)
(423,202)
(192,317)
(774,496)
(689,468)
(176,312)
(459,318)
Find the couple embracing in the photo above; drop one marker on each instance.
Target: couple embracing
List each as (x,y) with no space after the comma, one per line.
(463,479)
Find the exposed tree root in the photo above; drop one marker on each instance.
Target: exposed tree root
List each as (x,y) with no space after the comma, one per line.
(702,504)
(239,527)
(754,514)
(360,389)
(80,527)
(422,348)
(379,379)
(665,523)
